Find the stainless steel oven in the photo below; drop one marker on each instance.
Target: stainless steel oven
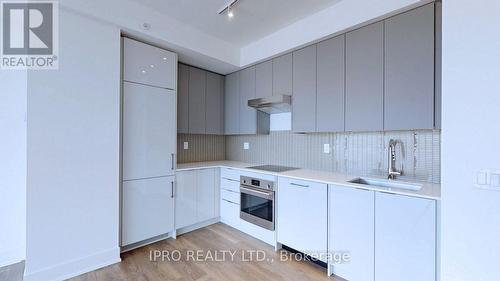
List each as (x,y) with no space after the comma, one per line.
(257,202)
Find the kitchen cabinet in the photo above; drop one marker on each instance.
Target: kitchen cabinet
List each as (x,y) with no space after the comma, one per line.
(148,209)
(149,65)
(264,79)
(185,199)
(197,100)
(248,115)
(149,133)
(330,85)
(409,70)
(364,105)
(215,104)
(302,216)
(351,228)
(196,197)
(304,90)
(282,75)
(232,104)
(183,100)
(405,238)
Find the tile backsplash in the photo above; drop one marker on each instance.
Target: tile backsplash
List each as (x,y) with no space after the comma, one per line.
(360,154)
(200,148)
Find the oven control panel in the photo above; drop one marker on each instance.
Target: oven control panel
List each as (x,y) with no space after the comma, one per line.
(256,183)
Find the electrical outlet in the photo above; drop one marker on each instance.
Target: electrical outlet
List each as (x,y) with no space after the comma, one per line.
(186,145)
(326,148)
(487,179)
(246,146)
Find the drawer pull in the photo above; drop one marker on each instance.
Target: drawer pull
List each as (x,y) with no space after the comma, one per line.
(237,192)
(230,179)
(300,185)
(230,202)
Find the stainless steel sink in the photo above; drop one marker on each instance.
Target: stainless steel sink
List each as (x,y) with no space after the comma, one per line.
(387,183)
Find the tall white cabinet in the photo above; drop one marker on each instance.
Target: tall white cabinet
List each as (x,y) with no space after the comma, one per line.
(148,141)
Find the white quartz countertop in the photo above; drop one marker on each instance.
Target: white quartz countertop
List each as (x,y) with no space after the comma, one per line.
(428,190)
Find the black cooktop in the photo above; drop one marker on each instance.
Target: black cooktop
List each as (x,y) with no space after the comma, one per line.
(273,168)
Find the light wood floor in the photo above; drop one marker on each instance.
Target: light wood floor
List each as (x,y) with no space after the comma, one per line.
(136,265)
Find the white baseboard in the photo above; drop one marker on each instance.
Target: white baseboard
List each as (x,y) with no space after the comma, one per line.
(190,228)
(76,267)
(11,257)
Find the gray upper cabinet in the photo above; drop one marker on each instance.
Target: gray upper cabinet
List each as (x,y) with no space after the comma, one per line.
(248,115)
(232,104)
(282,75)
(197,100)
(264,79)
(364,105)
(215,104)
(330,85)
(304,90)
(409,70)
(183,100)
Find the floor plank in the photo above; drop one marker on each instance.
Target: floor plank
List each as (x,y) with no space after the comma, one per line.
(136,265)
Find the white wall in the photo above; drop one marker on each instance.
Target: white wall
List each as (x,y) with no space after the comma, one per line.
(73,154)
(470,139)
(12,166)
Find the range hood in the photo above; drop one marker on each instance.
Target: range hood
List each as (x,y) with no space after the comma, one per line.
(273,104)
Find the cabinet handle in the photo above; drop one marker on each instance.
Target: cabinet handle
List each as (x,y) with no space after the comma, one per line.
(173,162)
(172,191)
(301,185)
(229,201)
(230,179)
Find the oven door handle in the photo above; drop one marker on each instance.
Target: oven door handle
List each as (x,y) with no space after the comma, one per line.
(267,195)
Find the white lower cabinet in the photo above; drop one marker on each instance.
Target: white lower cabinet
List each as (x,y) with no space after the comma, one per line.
(302,216)
(405,238)
(351,232)
(197,197)
(143,198)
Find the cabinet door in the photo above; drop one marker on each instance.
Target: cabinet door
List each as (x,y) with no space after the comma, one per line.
(149,133)
(405,238)
(197,100)
(230,212)
(183,100)
(264,79)
(232,104)
(148,209)
(248,115)
(365,79)
(149,65)
(304,90)
(282,75)
(215,104)
(330,85)
(186,199)
(206,194)
(302,215)
(409,70)
(351,230)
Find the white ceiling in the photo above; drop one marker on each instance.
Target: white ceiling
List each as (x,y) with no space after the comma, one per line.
(253,19)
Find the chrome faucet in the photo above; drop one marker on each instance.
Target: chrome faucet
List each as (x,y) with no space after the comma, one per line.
(392,171)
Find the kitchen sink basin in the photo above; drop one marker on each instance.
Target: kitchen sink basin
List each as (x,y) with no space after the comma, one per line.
(387,183)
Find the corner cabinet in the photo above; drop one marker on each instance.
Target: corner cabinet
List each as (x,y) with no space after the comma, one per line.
(201,101)
(232,104)
(304,90)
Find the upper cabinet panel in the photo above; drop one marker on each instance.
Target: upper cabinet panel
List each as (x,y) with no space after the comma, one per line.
(409,70)
(215,104)
(232,104)
(365,79)
(304,90)
(248,115)
(183,100)
(330,85)
(282,75)
(149,65)
(197,100)
(264,79)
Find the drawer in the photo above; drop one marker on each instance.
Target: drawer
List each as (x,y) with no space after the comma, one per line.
(230,174)
(230,195)
(229,184)
(230,213)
